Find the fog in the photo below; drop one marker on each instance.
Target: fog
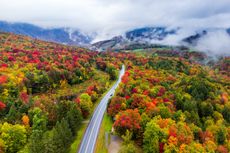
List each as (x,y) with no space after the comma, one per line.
(215,43)
(110,18)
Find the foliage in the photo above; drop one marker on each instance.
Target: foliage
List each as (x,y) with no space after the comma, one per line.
(169,101)
(127,120)
(13,137)
(127,145)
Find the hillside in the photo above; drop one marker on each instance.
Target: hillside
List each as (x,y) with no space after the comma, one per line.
(60,35)
(169,100)
(148,37)
(46,88)
(136,38)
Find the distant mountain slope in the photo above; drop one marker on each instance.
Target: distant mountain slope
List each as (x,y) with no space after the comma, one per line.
(150,36)
(193,39)
(60,35)
(228,31)
(144,37)
(137,37)
(157,33)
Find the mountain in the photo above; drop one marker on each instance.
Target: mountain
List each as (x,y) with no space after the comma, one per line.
(149,37)
(59,35)
(115,42)
(193,39)
(228,31)
(145,37)
(157,33)
(136,38)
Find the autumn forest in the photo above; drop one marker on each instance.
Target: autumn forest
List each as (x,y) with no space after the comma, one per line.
(167,101)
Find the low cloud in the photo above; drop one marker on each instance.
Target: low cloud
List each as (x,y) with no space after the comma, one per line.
(215,43)
(110,18)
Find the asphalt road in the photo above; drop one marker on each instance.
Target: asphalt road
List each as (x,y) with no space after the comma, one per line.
(90,136)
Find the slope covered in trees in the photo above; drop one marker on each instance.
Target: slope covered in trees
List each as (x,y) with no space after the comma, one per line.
(46,89)
(167,101)
(171,104)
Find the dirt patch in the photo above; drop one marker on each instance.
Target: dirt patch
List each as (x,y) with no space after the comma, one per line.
(115,144)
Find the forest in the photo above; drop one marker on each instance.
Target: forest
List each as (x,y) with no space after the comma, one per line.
(167,102)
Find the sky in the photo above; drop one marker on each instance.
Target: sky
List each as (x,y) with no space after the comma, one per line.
(113,17)
(117,15)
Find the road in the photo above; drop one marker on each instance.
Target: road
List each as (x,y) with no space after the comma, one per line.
(90,136)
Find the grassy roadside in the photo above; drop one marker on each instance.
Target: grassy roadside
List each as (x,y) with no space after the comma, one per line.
(74,146)
(106,127)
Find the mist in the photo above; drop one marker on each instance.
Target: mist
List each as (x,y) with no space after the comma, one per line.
(215,43)
(109,18)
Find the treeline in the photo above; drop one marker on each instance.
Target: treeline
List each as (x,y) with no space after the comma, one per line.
(171,105)
(46,90)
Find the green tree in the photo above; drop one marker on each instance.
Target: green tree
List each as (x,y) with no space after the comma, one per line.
(74,118)
(39,126)
(63,107)
(151,137)
(85,104)
(62,136)
(14,137)
(112,72)
(226,112)
(2,146)
(127,145)
(48,143)
(221,135)
(200,88)
(206,109)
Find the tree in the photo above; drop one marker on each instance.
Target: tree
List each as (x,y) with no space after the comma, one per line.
(139,101)
(164,112)
(39,119)
(2,106)
(127,145)
(2,146)
(127,120)
(151,137)
(85,104)
(14,137)
(184,133)
(226,112)
(199,88)
(205,109)
(25,120)
(63,107)
(112,72)
(62,136)
(13,114)
(74,118)
(116,105)
(39,126)
(48,143)
(221,135)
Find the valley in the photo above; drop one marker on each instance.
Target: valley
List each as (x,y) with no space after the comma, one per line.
(168,100)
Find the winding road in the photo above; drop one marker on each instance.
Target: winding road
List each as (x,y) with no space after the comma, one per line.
(90,136)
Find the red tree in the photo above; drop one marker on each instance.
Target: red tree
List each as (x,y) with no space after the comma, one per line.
(127,120)
(2,105)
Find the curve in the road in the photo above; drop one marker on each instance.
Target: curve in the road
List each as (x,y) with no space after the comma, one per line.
(90,136)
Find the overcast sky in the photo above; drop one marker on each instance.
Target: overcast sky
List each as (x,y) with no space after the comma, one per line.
(117,15)
(112,17)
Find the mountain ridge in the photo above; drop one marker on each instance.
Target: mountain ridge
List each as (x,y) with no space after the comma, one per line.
(138,37)
(59,35)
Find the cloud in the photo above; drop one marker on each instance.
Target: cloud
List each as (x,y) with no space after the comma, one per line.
(215,43)
(113,17)
(120,15)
